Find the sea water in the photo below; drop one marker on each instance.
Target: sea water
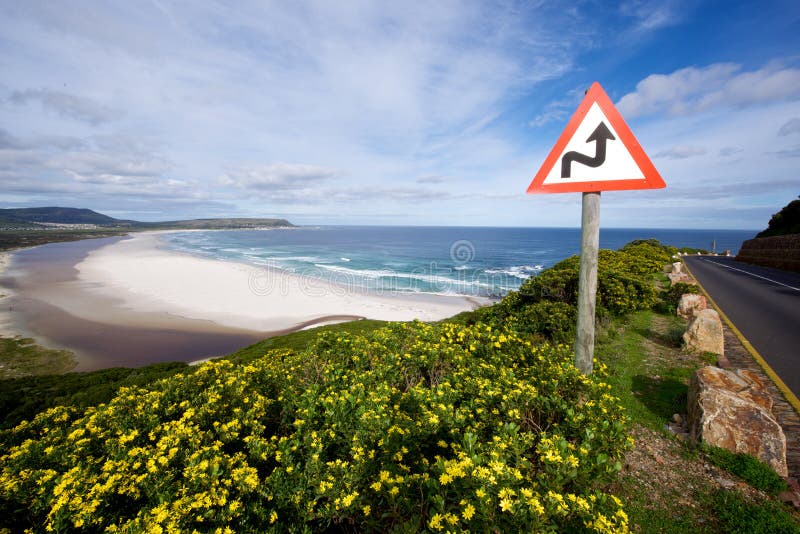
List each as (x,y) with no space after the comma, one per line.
(443,260)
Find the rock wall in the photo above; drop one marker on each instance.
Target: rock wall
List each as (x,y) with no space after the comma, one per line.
(780,252)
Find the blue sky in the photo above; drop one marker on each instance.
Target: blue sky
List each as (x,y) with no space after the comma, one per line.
(431,113)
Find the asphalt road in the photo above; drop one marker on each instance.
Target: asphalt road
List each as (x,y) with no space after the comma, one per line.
(763,303)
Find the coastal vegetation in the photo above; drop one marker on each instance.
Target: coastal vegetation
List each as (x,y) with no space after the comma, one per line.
(785,222)
(26,237)
(23,397)
(777,246)
(411,427)
(21,357)
(479,422)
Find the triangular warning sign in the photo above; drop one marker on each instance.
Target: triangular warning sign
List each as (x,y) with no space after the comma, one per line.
(596,152)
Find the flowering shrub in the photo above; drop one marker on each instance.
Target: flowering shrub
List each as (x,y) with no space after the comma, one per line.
(552,320)
(648,255)
(412,427)
(623,279)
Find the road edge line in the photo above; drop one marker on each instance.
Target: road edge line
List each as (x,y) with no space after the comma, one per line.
(790,397)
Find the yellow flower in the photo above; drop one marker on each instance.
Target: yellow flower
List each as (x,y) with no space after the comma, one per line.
(436,522)
(367,509)
(506,504)
(348,500)
(273,517)
(468,512)
(506,492)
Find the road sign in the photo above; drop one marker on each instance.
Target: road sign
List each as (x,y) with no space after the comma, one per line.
(596,152)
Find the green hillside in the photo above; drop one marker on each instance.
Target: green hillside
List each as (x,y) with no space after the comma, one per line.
(60,215)
(786,221)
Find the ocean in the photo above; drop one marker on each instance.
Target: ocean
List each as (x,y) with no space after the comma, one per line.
(440,260)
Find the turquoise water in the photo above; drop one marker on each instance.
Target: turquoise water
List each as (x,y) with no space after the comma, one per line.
(445,260)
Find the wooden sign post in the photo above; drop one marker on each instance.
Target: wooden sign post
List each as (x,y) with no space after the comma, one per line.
(596,152)
(587,282)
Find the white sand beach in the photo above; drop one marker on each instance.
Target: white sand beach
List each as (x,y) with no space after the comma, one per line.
(137,275)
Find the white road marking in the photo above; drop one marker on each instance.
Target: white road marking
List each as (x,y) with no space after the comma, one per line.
(751,274)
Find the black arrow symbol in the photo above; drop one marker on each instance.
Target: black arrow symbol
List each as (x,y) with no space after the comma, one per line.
(600,134)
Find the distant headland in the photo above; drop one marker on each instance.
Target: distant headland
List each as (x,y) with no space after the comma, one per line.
(57,217)
(23,227)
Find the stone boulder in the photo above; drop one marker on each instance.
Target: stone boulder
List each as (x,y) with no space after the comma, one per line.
(675,278)
(734,411)
(676,267)
(704,333)
(690,305)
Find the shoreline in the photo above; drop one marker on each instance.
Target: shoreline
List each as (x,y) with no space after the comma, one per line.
(128,301)
(147,277)
(7,328)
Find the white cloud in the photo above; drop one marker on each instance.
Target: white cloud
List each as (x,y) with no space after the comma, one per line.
(431,179)
(301,184)
(100,167)
(277,177)
(792,126)
(67,105)
(793,152)
(559,110)
(550,115)
(728,151)
(693,90)
(651,15)
(8,141)
(681,152)
(62,142)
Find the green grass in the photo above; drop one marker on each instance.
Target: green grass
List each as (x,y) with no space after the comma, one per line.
(751,470)
(738,516)
(636,353)
(715,511)
(22,357)
(662,517)
(649,401)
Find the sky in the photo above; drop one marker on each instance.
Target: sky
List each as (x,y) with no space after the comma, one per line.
(394,113)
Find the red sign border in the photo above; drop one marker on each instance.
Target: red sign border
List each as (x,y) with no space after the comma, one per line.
(652,179)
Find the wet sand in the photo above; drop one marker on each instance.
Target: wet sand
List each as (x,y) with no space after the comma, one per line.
(47,273)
